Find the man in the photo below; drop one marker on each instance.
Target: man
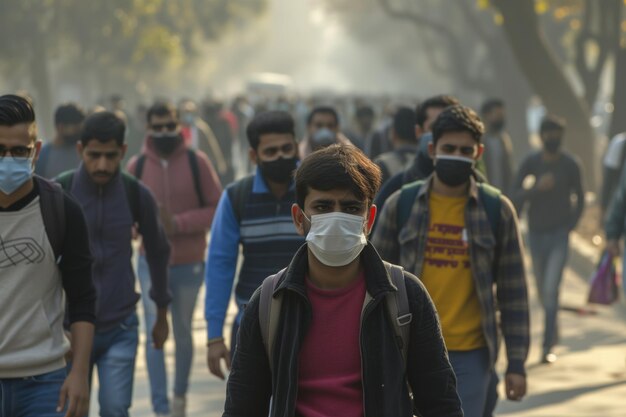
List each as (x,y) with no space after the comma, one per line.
(335,351)
(254,213)
(613,164)
(361,135)
(187,190)
(322,130)
(422,166)
(404,144)
(462,240)
(37,268)
(547,181)
(198,135)
(114,203)
(60,154)
(498,156)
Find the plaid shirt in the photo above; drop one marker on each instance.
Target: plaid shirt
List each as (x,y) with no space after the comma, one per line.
(496,263)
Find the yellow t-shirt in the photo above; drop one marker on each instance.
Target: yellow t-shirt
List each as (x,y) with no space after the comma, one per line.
(447,274)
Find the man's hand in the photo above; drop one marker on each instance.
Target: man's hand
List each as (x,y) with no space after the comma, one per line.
(74,393)
(161,330)
(546,182)
(167,220)
(612,246)
(515,385)
(216,352)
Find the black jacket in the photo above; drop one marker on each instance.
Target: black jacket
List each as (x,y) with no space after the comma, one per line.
(385,391)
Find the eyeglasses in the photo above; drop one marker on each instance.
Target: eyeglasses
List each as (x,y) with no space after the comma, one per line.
(159,127)
(16,151)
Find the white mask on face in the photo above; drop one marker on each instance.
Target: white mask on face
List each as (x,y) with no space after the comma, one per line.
(336,239)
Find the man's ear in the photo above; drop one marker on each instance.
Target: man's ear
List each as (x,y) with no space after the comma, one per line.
(38,145)
(298,218)
(124,148)
(253,156)
(431,150)
(481,150)
(80,149)
(371,218)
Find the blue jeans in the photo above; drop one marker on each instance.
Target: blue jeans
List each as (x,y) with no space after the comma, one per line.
(184,283)
(35,396)
(473,372)
(113,354)
(549,252)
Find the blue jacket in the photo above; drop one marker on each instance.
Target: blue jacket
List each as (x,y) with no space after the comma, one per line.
(110,223)
(268,239)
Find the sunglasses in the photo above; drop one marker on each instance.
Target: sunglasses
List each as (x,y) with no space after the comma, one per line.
(158,127)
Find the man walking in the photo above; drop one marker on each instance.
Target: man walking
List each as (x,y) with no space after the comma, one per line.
(187,190)
(114,203)
(348,334)
(547,181)
(254,213)
(462,240)
(498,155)
(45,253)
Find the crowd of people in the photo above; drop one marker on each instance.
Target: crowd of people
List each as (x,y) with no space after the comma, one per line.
(376,266)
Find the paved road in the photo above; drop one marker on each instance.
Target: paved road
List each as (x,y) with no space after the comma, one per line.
(588,380)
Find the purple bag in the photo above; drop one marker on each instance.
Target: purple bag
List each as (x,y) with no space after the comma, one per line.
(603,285)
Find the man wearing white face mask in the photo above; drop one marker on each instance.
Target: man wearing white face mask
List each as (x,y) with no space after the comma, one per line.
(319,338)
(462,239)
(45,264)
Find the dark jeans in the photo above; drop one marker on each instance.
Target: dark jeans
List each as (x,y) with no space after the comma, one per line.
(34,396)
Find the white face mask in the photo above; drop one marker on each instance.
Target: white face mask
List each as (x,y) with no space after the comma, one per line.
(336,239)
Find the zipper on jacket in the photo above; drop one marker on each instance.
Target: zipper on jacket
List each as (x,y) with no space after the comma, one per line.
(166,184)
(368,307)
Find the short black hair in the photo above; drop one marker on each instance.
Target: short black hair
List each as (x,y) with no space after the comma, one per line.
(15,110)
(103,126)
(458,118)
(491,104)
(439,102)
(269,122)
(404,124)
(69,114)
(161,108)
(552,123)
(338,167)
(324,110)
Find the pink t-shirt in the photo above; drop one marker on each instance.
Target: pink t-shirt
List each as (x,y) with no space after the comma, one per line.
(329,379)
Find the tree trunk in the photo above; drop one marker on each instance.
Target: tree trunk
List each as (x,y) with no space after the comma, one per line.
(545,76)
(40,78)
(618,121)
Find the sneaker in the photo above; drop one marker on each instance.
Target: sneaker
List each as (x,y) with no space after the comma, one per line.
(179,406)
(548,358)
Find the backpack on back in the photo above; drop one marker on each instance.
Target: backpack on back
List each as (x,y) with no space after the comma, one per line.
(52,205)
(396,304)
(195,172)
(490,197)
(131,186)
(238,194)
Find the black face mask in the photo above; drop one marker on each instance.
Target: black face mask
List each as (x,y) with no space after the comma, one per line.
(70,140)
(552,145)
(280,170)
(498,125)
(453,170)
(166,144)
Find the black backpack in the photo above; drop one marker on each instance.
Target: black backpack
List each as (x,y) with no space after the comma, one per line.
(195,172)
(52,205)
(238,194)
(131,185)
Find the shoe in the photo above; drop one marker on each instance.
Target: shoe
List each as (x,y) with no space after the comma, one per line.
(162,415)
(548,358)
(179,406)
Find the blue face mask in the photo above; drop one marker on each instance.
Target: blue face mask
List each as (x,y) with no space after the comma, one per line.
(14,172)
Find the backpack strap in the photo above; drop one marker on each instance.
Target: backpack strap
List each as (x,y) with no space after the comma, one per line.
(408,194)
(195,173)
(52,206)
(397,304)
(141,161)
(490,197)
(131,186)
(238,194)
(269,313)
(65,180)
